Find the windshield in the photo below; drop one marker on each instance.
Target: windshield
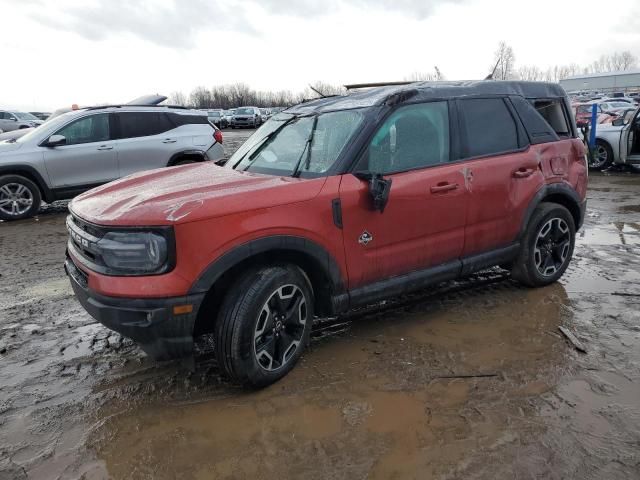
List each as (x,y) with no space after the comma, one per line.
(54,123)
(304,145)
(244,111)
(618,105)
(25,116)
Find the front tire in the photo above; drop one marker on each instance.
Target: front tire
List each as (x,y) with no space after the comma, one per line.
(264,325)
(19,197)
(602,156)
(547,246)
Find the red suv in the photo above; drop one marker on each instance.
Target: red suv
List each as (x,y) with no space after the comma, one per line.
(334,203)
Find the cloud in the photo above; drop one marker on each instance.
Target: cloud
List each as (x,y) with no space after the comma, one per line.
(419,9)
(177,23)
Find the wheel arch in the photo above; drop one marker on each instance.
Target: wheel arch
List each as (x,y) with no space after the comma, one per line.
(556,193)
(317,264)
(32,174)
(196,155)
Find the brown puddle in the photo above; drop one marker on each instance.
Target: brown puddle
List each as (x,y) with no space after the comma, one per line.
(475,382)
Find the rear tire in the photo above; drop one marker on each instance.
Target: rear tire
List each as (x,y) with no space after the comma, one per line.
(264,325)
(547,246)
(19,197)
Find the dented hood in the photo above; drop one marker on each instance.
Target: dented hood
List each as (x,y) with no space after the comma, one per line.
(186,194)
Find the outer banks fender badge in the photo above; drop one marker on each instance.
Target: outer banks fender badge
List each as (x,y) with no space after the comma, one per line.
(365,238)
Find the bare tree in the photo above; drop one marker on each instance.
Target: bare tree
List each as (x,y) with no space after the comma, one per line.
(530,73)
(505,60)
(628,60)
(418,76)
(177,98)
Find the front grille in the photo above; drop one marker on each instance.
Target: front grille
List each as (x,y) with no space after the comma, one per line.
(83,239)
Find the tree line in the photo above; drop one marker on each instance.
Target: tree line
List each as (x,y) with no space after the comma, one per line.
(503,68)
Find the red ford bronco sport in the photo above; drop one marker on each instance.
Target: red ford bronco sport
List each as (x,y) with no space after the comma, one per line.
(334,203)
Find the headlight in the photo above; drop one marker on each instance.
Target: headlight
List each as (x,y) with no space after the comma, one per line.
(134,252)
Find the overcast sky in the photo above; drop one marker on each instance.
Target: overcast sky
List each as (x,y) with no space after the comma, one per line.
(57,52)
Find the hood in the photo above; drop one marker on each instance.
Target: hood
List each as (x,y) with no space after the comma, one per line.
(186,194)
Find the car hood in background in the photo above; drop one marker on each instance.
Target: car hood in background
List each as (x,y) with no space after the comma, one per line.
(15,134)
(6,147)
(188,193)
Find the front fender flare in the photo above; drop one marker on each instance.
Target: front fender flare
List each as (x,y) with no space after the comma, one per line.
(322,258)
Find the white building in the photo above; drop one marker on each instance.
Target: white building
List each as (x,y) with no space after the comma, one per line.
(628,80)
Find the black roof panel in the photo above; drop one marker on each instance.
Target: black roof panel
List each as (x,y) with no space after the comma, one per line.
(427,91)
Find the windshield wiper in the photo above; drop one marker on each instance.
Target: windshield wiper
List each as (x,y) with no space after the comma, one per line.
(307,149)
(260,143)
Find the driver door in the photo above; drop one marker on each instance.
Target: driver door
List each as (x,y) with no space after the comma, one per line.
(423,222)
(89,156)
(630,140)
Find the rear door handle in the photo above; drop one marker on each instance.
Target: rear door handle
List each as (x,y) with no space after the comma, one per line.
(444,187)
(169,140)
(105,147)
(523,172)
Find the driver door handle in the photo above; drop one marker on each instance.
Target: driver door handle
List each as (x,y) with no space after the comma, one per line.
(523,172)
(169,140)
(105,147)
(443,187)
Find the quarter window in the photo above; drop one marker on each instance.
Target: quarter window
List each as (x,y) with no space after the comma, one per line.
(489,125)
(553,112)
(144,124)
(415,136)
(87,130)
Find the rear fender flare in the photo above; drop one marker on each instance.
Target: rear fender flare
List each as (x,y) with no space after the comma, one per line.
(558,193)
(176,156)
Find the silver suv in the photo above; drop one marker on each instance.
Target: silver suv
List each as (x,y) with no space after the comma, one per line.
(85,148)
(246,117)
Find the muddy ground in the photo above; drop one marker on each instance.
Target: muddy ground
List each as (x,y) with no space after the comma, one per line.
(468,380)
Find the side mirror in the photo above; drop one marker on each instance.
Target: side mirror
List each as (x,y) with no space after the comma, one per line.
(56,141)
(13,119)
(618,122)
(379,188)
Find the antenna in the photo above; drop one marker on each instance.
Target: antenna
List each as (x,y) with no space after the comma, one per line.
(322,95)
(490,76)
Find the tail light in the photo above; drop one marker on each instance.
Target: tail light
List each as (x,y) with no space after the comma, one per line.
(218,136)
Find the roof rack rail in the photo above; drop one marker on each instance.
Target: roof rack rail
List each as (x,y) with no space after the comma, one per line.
(378,84)
(97,107)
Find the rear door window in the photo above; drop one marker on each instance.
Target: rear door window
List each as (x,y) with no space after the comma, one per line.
(489,126)
(143,124)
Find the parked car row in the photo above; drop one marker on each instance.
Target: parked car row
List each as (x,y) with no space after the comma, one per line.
(241,117)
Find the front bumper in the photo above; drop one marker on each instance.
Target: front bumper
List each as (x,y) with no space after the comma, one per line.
(149,322)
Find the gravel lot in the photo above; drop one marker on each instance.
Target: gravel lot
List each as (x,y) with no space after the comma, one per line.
(468,380)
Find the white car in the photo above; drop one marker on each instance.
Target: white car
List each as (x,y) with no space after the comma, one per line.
(618,142)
